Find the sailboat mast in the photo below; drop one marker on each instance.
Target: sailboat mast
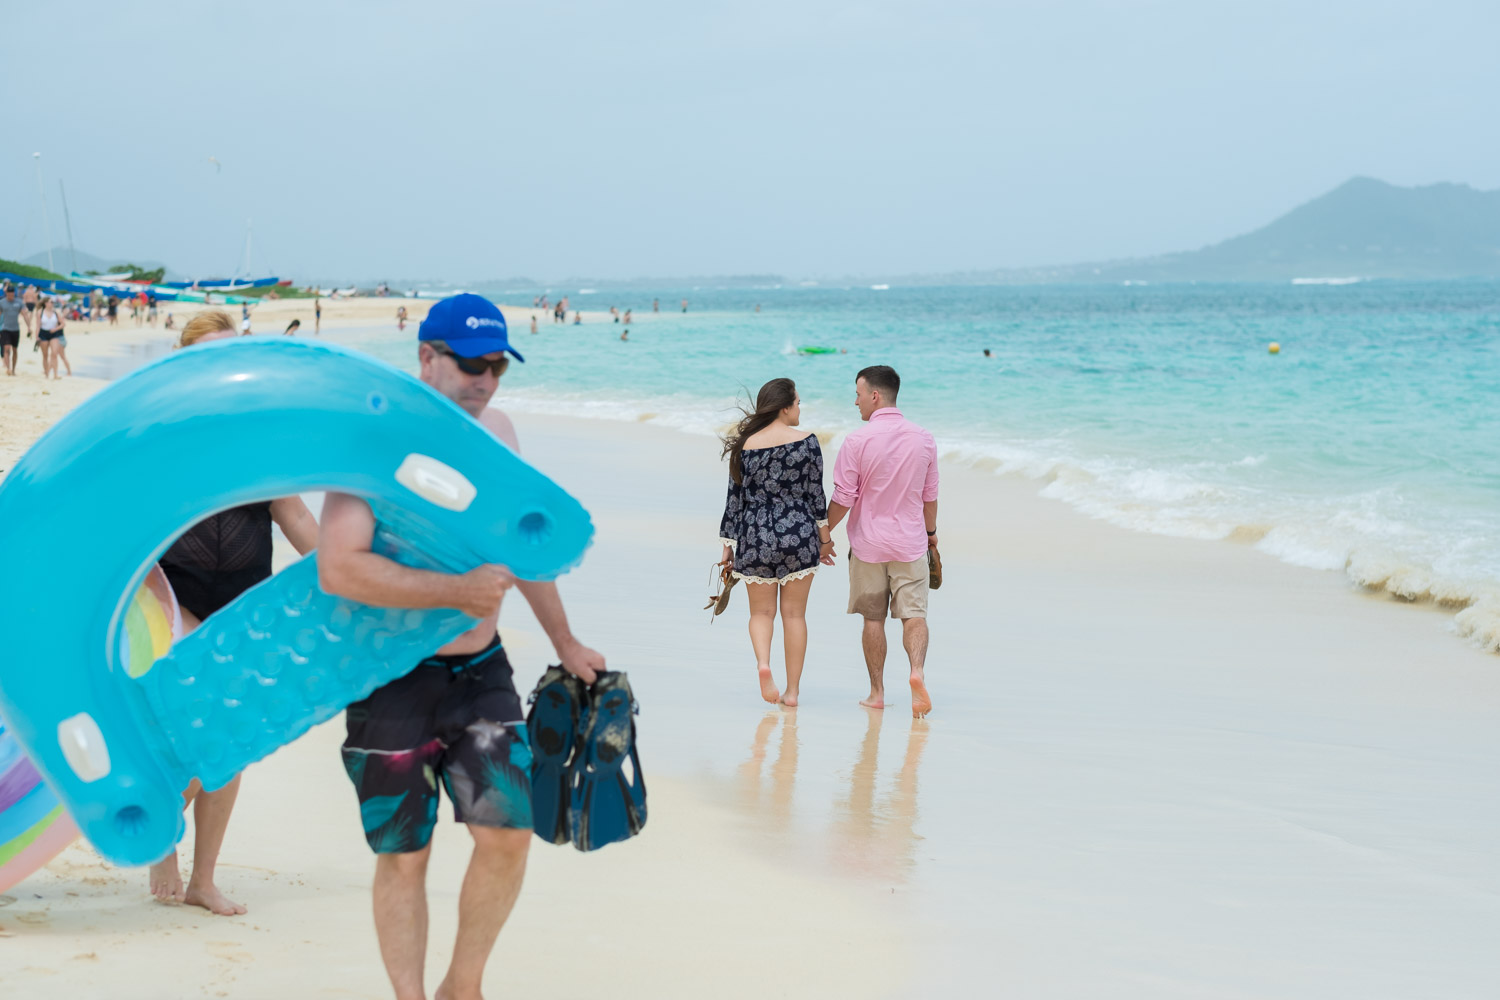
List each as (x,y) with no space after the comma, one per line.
(46,219)
(67,221)
(245,261)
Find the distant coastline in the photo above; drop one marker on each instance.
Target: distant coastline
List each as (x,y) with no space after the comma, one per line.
(1363,230)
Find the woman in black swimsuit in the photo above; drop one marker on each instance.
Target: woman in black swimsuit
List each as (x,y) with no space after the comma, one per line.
(214,562)
(775,526)
(51,326)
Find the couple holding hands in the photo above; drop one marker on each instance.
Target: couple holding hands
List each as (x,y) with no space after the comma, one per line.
(777,526)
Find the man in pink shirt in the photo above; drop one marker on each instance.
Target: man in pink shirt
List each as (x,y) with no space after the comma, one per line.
(886,480)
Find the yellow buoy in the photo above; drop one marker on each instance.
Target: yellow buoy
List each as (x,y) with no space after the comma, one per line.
(1275,348)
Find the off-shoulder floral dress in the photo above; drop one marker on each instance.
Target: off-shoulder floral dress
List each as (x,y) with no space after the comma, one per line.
(771,521)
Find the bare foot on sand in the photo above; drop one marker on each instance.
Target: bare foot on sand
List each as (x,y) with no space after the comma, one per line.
(921,701)
(166,880)
(789,700)
(876,700)
(211,899)
(767,686)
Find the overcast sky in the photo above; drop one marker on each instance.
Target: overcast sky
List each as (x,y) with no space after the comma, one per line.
(557,139)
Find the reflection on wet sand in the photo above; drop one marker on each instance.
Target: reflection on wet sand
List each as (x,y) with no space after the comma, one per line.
(872,836)
(126,359)
(783,776)
(876,837)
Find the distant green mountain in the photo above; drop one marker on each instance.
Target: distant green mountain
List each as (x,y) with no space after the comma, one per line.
(1364,228)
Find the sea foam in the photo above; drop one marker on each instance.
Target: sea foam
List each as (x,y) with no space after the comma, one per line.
(1356,535)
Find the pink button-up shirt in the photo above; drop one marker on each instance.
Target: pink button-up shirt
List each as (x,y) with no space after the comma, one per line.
(884,473)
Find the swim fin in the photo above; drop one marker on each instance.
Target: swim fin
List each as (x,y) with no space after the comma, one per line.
(608,800)
(559,709)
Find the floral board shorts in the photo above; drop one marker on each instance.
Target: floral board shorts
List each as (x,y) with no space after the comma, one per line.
(455,720)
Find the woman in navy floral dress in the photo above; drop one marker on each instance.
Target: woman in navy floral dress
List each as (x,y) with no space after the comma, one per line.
(775,526)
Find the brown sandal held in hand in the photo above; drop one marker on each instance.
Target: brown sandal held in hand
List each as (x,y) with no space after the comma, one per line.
(722,578)
(934,569)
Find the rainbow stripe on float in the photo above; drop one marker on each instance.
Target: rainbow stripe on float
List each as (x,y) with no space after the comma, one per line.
(34,827)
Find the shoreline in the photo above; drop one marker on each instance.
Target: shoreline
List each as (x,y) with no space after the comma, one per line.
(1151,761)
(1471,608)
(1473,618)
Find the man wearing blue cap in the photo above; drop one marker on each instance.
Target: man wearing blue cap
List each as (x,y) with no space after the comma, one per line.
(456,719)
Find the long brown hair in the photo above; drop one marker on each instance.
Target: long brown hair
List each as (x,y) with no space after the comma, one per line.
(775,396)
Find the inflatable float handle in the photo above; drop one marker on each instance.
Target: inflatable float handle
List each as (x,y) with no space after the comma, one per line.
(204,430)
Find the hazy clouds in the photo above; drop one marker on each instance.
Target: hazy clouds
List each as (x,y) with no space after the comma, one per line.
(615,140)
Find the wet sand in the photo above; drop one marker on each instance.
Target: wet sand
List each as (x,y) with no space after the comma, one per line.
(1155,768)
(683,909)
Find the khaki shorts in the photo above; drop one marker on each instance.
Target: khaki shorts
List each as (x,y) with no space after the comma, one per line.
(899,586)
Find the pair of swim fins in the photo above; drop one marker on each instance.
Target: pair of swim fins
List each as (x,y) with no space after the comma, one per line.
(586,780)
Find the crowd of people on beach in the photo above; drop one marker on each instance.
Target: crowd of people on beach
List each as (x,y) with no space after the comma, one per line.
(777,525)
(45,318)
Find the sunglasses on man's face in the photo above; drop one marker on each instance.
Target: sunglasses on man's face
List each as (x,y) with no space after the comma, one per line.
(477,366)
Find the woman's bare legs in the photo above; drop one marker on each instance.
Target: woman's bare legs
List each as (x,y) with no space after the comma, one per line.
(60,353)
(794,634)
(166,879)
(762,598)
(210,819)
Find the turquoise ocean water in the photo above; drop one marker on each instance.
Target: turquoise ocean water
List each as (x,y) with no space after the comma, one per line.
(1370,444)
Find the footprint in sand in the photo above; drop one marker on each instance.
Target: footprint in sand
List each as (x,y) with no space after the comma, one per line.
(229,951)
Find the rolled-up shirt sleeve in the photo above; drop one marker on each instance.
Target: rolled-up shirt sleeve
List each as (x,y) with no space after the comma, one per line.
(846,475)
(930,487)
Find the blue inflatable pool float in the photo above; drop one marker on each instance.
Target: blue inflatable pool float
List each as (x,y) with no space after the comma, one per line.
(93,504)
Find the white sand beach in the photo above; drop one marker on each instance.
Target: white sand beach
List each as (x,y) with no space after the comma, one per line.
(1155,768)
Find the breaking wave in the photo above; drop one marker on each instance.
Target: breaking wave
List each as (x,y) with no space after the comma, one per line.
(1380,539)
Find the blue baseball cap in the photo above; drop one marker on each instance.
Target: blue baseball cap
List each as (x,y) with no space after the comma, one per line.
(470,325)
